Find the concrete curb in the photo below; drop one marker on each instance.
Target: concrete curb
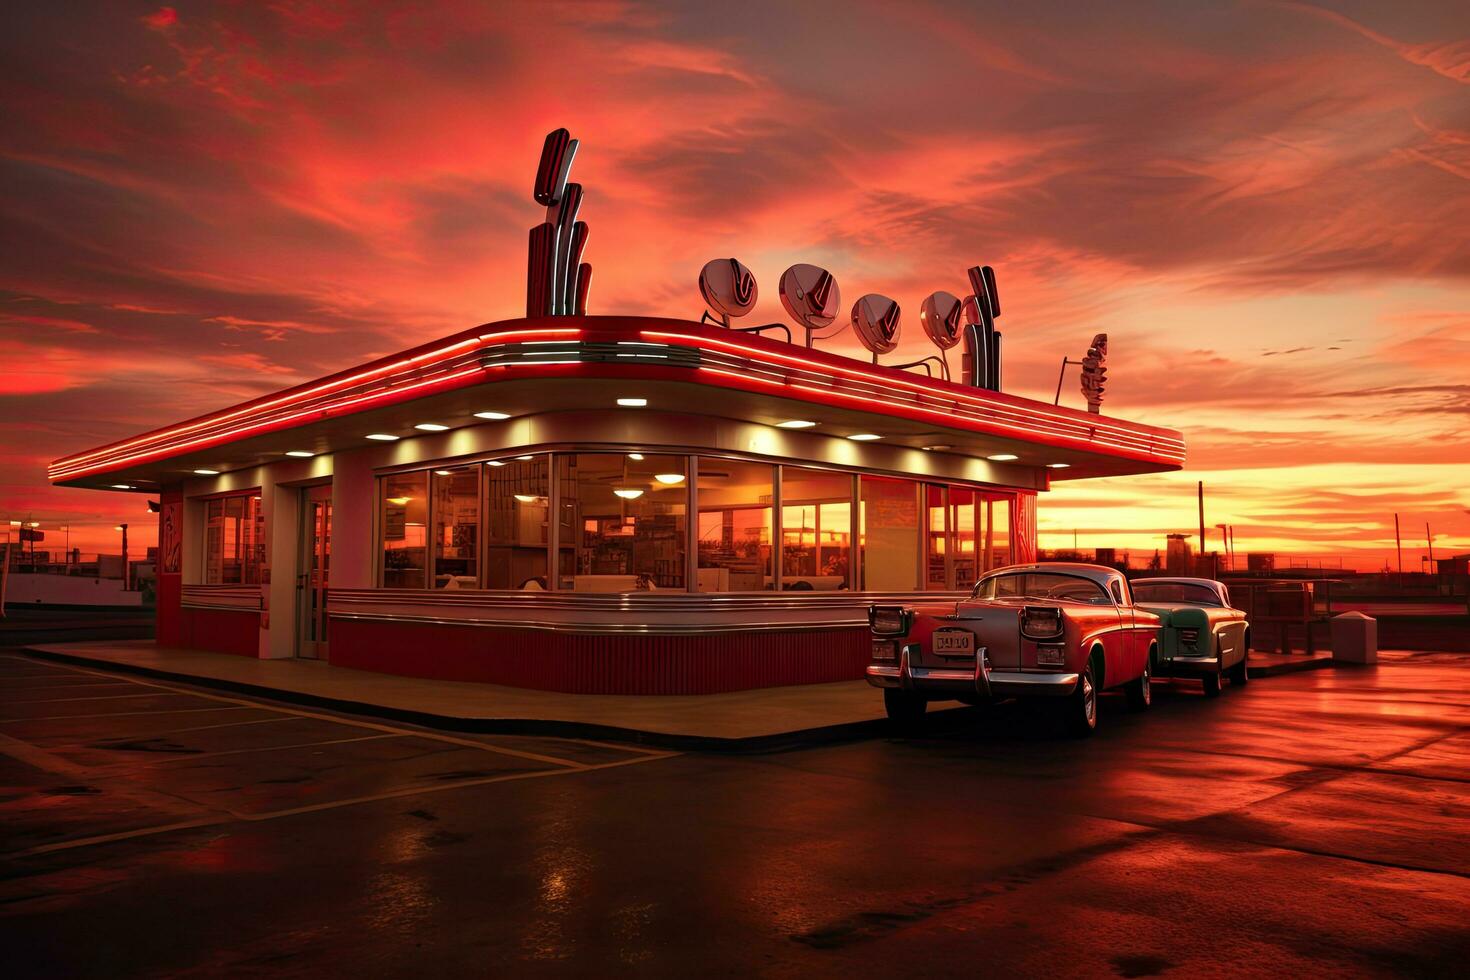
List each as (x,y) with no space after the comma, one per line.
(1290,666)
(774,742)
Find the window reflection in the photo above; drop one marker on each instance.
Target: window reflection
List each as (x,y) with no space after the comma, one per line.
(403,519)
(627,522)
(517,509)
(456,516)
(816,529)
(889,534)
(735,534)
(234,540)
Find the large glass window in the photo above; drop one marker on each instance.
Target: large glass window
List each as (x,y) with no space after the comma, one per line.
(517,516)
(627,517)
(234,540)
(998,541)
(404,520)
(816,528)
(735,532)
(889,534)
(456,520)
(936,550)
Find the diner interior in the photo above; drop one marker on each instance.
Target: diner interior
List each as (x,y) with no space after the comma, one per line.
(623,525)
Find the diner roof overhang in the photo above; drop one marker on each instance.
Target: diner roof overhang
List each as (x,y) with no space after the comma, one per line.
(558,364)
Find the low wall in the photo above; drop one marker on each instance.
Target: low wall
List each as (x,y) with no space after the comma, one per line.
(598,664)
(25,588)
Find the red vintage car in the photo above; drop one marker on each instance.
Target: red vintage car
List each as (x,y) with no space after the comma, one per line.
(1054,630)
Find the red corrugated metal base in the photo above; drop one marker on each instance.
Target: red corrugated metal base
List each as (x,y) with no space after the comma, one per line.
(221,631)
(582,664)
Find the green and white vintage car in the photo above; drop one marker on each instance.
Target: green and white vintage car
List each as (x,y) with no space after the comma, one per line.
(1200,633)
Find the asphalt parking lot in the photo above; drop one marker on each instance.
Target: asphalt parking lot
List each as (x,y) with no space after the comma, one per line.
(1312,823)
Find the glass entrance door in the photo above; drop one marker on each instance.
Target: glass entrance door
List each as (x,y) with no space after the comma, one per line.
(316,561)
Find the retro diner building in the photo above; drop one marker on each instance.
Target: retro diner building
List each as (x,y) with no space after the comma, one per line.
(596,504)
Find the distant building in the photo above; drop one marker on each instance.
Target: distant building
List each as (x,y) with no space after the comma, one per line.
(1179,556)
(1261,562)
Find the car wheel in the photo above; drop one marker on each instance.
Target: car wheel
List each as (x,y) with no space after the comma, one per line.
(1140,691)
(1080,707)
(1212,684)
(904,707)
(1240,673)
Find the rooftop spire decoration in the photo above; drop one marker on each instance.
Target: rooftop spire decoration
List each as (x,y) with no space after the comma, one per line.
(557,280)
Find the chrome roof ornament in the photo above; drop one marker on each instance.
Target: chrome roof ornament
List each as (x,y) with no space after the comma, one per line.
(940,314)
(728,288)
(557,280)
(981,361)
(812,299)
(876,321)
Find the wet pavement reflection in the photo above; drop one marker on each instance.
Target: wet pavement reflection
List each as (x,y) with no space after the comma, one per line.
(1315,822)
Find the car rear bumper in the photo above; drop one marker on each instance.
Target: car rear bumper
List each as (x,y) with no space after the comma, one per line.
(1189,666)
(979,679)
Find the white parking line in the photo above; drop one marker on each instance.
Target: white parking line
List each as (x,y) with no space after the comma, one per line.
(126,714)
(97,697)
(216,820)
(335,719)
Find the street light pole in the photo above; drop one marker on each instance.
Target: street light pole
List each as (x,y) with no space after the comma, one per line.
(124,529)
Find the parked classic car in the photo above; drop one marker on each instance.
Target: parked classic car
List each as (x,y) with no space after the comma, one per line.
(1056,630)
(1201,634)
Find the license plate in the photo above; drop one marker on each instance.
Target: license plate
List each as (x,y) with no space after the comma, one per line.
(954,642)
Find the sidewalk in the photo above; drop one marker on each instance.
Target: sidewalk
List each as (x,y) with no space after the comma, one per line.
(765,719)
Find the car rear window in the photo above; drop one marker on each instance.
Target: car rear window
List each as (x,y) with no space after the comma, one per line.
(1042,585)
(1188,592)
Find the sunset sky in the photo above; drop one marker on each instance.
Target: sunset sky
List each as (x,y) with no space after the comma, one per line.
(1266,206)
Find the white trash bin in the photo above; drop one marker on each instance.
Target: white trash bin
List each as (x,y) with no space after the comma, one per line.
(1355,638)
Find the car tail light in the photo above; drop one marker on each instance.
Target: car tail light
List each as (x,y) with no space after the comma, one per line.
(885,649)
(1050,655)
(888,620)
(1189,638)
(1041,622)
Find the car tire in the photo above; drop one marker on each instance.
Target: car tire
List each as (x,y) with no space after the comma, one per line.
(1240,674)
(905,708)
(1140,690)
(1211,682)
(1079,709)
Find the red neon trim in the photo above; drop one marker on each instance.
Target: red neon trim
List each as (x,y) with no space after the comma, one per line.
(297,395)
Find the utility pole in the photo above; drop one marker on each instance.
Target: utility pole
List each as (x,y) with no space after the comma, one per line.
(1429,538)
(1202,519)
(1398,545)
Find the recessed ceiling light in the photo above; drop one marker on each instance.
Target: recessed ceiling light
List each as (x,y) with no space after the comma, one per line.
(431,427)
(864,437)
(525,457)
(302,453)
(493,416)
(1057,466)
(122,486)
(629,494)
(443,473)
(633,402)
(937,448)
(496,462)
(525,498)
(382,437)
(1002,457)
(635,455)
(206,472)
(669,479)
(795,424)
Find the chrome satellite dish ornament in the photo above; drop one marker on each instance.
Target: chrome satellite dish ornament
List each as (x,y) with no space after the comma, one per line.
(981,361)
(942,314)
(557,280)
(876,321)
(1094,374)
(730,292)
(812,299)
(728,289)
